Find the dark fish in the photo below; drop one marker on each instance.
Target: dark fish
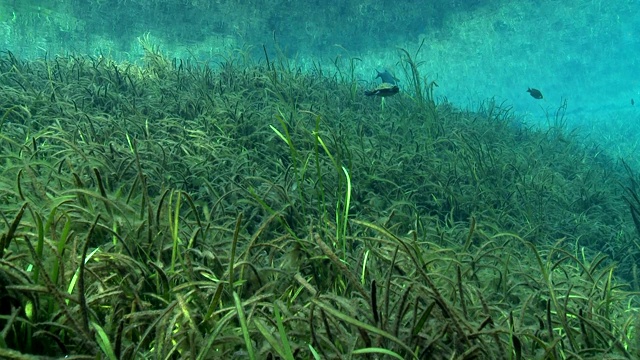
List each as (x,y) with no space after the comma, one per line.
(535,93)
(383,90)
(386,77)
(632,102)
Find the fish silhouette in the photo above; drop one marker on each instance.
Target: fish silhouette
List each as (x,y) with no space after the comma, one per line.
(386,77)
(535,93)
(383,90)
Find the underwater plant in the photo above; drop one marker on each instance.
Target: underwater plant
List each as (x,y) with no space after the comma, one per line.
(249,210)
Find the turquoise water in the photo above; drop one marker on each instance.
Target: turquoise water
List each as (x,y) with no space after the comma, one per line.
(581,51)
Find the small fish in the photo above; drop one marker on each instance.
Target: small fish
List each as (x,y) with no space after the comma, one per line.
(535,93)
(383,90)
(386,77)
(632,102)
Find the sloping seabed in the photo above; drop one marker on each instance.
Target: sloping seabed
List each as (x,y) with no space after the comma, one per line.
(246,210)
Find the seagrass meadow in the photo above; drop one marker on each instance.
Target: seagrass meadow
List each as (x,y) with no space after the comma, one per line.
(249,210)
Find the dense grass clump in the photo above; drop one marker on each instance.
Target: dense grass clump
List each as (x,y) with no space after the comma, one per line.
(249,210)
